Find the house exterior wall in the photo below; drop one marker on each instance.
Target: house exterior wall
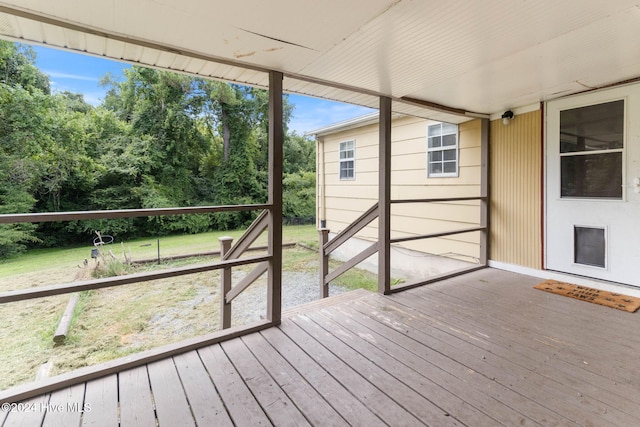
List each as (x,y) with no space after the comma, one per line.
(341,201)
(516,190)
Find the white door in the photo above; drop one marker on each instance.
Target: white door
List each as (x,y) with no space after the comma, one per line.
(592,182)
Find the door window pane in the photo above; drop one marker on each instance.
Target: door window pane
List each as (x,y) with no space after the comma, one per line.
(591,146)
(595,175)
(592,128)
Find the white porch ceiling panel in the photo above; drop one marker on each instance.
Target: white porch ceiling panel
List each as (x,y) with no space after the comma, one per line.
(458,56)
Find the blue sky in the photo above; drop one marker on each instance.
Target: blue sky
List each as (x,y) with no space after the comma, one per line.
(79,73)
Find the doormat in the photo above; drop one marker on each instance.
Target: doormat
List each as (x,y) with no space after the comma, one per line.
(596,296)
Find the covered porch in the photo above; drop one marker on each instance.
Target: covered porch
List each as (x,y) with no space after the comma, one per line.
(483,348)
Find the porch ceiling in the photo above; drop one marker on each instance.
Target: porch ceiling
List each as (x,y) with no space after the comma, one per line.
(473,56)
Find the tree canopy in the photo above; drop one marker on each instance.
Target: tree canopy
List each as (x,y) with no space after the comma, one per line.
(158,139)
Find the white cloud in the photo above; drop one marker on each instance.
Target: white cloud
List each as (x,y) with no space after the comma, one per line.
(57,75)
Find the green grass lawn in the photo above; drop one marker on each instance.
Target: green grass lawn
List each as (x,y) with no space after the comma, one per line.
(144,248)
(114,322)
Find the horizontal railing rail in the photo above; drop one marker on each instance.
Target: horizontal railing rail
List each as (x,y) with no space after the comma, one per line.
(123,213)
(65,288)
(440,200)
(441,234)
(328,246)
(230,256)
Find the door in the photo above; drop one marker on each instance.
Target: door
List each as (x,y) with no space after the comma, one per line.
(592,183)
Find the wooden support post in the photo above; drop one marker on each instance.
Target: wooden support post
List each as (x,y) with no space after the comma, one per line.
(384,197)
(324,262)
(225,284)
(484,192)
(276,142)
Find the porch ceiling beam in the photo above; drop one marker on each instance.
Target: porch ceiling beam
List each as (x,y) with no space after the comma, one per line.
(439,107)
(405,100)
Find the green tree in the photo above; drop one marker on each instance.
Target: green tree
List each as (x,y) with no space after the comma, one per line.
(158,140)
(167,118)
(17,68)
(23,124)
(299,195)
(299,154)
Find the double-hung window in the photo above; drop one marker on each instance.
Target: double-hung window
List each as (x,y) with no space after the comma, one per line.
(348,160)
(442,150)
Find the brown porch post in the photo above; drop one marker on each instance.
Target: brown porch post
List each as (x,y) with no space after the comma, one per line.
(276,138)
(225,276)
(324,262)
(484,192)
(384,197)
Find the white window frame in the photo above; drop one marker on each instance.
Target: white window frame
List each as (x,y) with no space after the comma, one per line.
(343,148)
(442,149)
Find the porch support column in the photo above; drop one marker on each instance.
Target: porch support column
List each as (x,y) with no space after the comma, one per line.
(276,138)
(384,197)
(484,192)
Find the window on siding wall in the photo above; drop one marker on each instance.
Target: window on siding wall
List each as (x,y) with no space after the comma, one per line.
(442,150)
(348,160)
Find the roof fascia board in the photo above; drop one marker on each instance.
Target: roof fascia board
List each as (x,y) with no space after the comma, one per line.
(54,21)
(356,122)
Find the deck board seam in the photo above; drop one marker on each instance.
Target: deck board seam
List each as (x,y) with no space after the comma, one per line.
(372,417)
(389,371)
(376,410)
(366,378)
(509,375)
(413,369)
(466,318)
(447,357)
(284,389)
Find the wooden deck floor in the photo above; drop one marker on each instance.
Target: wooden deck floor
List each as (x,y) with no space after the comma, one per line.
(483,349)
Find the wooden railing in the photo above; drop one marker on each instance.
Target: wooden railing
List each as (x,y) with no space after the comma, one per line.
(228,261)
(328,246)
(228,253)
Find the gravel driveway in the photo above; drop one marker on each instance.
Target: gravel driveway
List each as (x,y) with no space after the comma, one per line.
(297,288)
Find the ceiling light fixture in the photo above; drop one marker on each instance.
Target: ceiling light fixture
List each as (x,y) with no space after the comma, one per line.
(507,117)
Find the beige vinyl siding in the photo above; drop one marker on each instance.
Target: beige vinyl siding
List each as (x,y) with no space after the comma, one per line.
(516,192)
(346,200)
